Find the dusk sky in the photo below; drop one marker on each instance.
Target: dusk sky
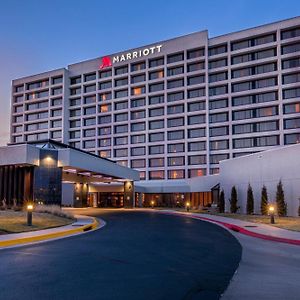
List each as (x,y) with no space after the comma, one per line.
(38,36)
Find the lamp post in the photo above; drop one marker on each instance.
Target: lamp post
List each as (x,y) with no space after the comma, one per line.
(29,214)
(152,204)
(271,212)
(188,206)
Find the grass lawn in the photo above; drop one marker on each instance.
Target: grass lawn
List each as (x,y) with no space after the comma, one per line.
(13,222)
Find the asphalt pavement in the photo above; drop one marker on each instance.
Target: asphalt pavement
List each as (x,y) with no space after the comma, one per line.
(137,255)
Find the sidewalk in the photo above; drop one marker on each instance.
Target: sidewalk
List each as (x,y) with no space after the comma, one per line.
(262,231)
(82,225)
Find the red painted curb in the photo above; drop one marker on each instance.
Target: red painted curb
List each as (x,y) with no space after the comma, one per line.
(240,229)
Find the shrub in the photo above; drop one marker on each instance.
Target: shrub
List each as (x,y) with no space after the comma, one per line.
(53,209)
(250,200)
(221,204)
(281,205)
(233,201)
(264,201)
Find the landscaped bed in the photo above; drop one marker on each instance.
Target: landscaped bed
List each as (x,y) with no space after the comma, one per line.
(16,221)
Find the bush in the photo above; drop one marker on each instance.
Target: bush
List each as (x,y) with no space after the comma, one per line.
(264,201)
(281,205)
(221,204)
(233,201)
(53,209)
(250,200)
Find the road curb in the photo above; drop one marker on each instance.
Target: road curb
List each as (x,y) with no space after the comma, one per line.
(50,236)
(238,229)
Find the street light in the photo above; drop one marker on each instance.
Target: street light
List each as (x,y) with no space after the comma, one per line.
(29,214)
(188,204)
(271,212)
(152,204)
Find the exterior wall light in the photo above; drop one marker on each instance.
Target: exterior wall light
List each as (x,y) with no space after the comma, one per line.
(271,213)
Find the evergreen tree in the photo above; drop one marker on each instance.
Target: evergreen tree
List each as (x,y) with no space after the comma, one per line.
(264,201)
(281,205)
(221,204)
(250,200)
(233,201)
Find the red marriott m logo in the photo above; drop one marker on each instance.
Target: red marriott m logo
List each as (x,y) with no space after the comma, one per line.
(106,62)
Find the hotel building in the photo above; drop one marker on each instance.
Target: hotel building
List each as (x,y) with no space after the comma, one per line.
(174,109)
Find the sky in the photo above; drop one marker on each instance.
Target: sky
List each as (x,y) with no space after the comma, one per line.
(41,35)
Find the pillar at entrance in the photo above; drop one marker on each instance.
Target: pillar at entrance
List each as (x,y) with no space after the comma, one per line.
(128,194)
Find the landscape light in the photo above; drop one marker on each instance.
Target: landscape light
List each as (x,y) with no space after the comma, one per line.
(29,214)
(188,204)
(152,204)
(271,212)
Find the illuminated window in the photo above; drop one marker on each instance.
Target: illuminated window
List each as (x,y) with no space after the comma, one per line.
(176,174)
(197,172)
(138,90)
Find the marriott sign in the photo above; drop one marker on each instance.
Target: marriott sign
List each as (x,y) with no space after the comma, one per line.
(107,61)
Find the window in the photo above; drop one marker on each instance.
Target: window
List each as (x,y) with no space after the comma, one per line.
(89,144)
(121,70)
(197,119)
(138,90)
(219,145)
(120,94)
(291,108)
(155,175)
(89,77)
(196,106)
(195,53)
(38,84)
(138,78)
(291,93)
(104,131)
(156,99)
(57,91)
(121,105)
(292,123)
(155,112)
(196,93)
(218,90)
(89,121)
(19,88)
(255,98)
(175,83)
(220,117)
(196,172)
(214,64)
(176,122)
(175,58)
(19,99)
(156,75)
(290,48)
(121,128)
(75,123)
(105,119)
(175,148)
(75,80)
(197,146)
(175,71)
(256,84)
(156,87)
(196,79)
(253,42)
(56,113)
(156,137)
(175,109)
(90,110)
(175,174)
(216,158)
(218,131)
(196,133)
(105,74)
(138,163)
(156,124)
(291,63)
(121,152)
(197,159)
(156,162)
(253,56)
(138,66)
(254,70)
(138,127)
(120,82)
(36,95)
(218,77)
(57,101)
(195,66)
(291,78)
(105,142)
(293,138)
(175,97)
(176,161)
(159,149)
(140,114)
(56,134)
(105,153)
(175,135)
(137,139)
(121,117)
(216,104)
(105,108)
(156,62)
(138,102)
(105,85)
(217,50)
(89,133)
(105,96)
(138,151)
(89,99)
(290,33)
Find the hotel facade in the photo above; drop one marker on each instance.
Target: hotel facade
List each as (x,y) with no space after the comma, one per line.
(174,109)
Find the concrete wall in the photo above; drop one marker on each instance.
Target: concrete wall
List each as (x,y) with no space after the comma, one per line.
(265,168)
(67,194)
